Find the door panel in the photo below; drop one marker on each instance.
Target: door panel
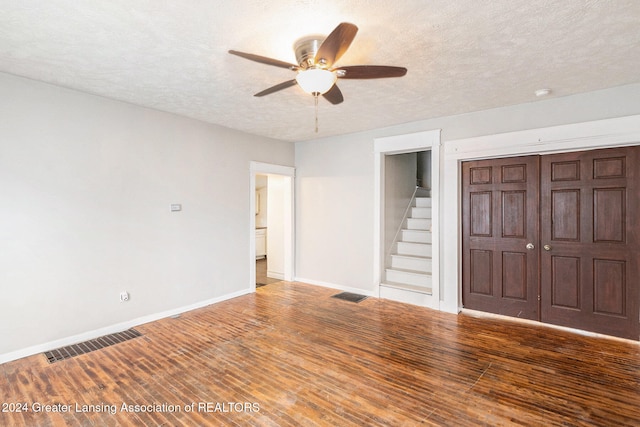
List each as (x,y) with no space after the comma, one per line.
(481,272)
(565,282)
(589,274)
(514,277)
(565,215)
(609,215)
(500,204)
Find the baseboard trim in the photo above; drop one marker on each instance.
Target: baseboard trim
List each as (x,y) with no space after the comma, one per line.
(485,315)
(409,296)
(89,335)
(275,275)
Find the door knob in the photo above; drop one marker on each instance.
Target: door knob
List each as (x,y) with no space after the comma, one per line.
(547,247)
(530,246)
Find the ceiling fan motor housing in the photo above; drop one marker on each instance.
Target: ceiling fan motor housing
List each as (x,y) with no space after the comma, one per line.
(306,49)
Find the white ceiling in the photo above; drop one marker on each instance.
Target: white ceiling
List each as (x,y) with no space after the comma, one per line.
(462,55)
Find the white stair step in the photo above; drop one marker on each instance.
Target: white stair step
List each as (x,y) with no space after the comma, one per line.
(423,202)
(416,295)
(410,248)
(420,212)
(408,277)
(419,224)
(410,288)
(419,264)
(417,236)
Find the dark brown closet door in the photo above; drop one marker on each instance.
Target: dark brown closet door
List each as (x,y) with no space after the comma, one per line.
(500,218)
(590,234)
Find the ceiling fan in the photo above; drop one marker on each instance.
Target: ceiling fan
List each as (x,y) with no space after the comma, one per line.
(317,72)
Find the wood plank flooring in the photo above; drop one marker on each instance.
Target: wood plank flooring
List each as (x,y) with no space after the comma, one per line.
(290,355)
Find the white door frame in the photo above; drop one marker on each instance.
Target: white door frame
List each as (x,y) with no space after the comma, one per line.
(258,168)
(409,143)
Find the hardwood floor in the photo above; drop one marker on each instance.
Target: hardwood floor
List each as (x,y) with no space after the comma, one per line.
(292,355)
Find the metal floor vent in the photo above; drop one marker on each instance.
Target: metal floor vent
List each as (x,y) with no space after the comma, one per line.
(91,345)
(351,297)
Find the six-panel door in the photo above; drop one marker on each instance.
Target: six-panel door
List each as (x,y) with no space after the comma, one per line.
(500,205)
(589,237)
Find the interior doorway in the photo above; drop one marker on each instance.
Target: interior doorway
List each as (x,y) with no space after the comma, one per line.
(271,223)
(269,216)
(389,178)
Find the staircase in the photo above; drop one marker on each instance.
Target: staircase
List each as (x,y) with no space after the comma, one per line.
(409,265)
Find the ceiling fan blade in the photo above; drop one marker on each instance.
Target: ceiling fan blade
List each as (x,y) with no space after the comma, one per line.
(264,60)
(369,72)
(334,95)
(336,44)
(277,87)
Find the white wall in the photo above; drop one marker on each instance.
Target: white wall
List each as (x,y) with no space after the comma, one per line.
(400,172)
(335,180)
(334,186)
(85,186)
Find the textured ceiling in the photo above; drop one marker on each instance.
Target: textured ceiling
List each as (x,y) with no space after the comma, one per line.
(462,55)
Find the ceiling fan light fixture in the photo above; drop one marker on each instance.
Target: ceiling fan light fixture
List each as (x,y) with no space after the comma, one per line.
(316,80)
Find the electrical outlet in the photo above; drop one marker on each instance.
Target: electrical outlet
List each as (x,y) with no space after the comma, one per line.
(124,296)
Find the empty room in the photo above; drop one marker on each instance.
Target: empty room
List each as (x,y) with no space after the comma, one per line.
(320,213)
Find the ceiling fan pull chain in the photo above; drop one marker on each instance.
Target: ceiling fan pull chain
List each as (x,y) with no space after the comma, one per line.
(315,95)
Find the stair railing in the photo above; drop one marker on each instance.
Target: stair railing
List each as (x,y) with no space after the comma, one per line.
(399,230)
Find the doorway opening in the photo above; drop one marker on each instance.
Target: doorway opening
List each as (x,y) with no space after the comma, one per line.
(408,224)
(269,229)
(271,224)
(406,238)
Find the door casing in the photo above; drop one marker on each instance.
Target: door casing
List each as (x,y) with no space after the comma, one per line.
(607,133)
